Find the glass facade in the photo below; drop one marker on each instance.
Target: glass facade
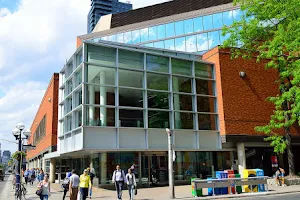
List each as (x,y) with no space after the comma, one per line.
(197,34)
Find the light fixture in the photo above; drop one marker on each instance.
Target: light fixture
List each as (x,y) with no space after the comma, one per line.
(27,133)
(20,126)
(16,132)
(242,74)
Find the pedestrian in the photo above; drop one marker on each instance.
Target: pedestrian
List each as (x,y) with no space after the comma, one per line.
(33,175)
(73,186)
(26,176)
(131,183)
(280,177)
(41,176)
(65,186)
(45,186)
(84,184)
(234,167)
(68,173)
(118,179)
(91,173)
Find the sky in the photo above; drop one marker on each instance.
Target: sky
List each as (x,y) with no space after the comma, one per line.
(36,38)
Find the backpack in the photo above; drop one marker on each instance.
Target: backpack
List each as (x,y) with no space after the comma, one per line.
(66,183)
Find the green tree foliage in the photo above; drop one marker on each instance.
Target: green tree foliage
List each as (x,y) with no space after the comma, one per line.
(270,30)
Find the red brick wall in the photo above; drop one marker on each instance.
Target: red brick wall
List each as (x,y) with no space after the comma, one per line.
(50,109)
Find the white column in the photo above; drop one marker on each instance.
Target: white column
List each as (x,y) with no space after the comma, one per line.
(176,103)
(103,99)
(91,101)
(241,156)
(52,170)
(103,168)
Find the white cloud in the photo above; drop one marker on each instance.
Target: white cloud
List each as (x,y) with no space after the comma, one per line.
(4,12)
(143,3)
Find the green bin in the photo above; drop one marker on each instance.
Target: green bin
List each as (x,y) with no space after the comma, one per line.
(198,192)
(238,188)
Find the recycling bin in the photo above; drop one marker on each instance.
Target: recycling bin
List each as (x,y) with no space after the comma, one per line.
(260,187)
(210,190)
(196,192)
(249,173)
(238,188)
(222,175)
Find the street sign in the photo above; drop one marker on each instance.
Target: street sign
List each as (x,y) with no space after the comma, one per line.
(28,146)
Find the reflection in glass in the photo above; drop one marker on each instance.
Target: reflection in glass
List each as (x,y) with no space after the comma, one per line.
(120,38)
(183,102)
(188,26)
(78,118)
(198,24)
(78,98)
(207,22)
(158,119)
(202,43)
(153,33)
(112,38)
(148,45)
(170,30)
(100,75)
(179,28)
(182,67)
(157,81)
(217,20)
(180,44)
(144,35)
(182,84)
(131,118)
(183,120)
(206,104)
(130,78)
(100,116)
(157,63)
(191,43)
(100,95)
(228,18)
(237,14)
(213,39)
(158,100)
(131,97)
(204,87)
(136,38)
(169,44)
(102,55)
(161,31)
(223,38)
(207,122)
(131,59)
(203,70)
(78,78)
(127,38)
(159,45)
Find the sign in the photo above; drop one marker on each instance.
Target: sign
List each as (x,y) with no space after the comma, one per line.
(250,153)
(29,146)
(274,161)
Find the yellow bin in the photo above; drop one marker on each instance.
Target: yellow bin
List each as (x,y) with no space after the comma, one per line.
(249,173)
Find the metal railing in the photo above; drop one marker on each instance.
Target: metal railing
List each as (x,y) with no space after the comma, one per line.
(231,182)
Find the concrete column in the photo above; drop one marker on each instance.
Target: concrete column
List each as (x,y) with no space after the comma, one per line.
(140,168)
(103,99)
(91,101)
(176,103)
(241,157)
(103,168)
(52,170)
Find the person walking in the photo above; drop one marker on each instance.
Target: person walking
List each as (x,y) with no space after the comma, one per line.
(41,176)
(131,183)
(26,175)
(91,173)
(45,186)
(118,179)
(32,176)
(84,184)
(73,186)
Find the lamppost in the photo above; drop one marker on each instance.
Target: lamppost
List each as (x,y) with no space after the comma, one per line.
(17,132)
(170,164)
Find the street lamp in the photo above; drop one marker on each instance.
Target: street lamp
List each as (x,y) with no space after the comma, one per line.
(170,164)
(17,132)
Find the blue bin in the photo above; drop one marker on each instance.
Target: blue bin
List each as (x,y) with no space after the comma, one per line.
(210,190)
(261,187)
(221,175)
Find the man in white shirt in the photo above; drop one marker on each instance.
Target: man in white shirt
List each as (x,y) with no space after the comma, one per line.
(118,179)
(73,186)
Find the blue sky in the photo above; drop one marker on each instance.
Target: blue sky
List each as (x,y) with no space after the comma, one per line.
(36,37)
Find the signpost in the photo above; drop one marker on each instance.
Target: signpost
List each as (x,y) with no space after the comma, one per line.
(170,161)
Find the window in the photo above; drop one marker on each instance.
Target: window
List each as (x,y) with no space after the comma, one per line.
(184,120)
(182,84)
(198,24)
(217,20)
(204,87)
(131,97)
(158,100)
(207,122)
(203,70)
(120,38)
(179,28)
(181,67)
(228,18)
(161,31)
(112,38)
(157,63)
(206,104)
(127,38)
(100,116)
(237,15)
(102,56)
(169,44)
(131,118)
(78,98)
(202,42)
(100,95)
(170,30)
(131,78)
(78,118)
(191,43)
(153,33)
(213,39)
(157,81)
(183,102)
(136,38)
(207,22)
(159,45)
(180,44)
(131,59)
(188,26)
(78,78)
(40,131)
(158,119)
(144,35)
(100,75)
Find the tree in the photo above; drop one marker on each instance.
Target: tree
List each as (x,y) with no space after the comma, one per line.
(270,31)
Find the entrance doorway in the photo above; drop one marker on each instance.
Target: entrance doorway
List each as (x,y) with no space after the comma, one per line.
(154,168)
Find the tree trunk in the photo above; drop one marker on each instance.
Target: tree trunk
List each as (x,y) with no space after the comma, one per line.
(289,152)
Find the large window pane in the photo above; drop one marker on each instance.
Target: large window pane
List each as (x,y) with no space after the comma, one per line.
(207,22)
(131,59)
(198,24)
(100,116)
(207,122)
(204,87)
(158,119)
(100,95)
(120,38)
(169,44)
(159,44)
(78,78)
(237,15)
(69,105)
(206,104)
(228,18)
(102,55)
(217,19)
(202,42)
(136,38)
(179,28)
(223,37)
(170,30)
(188,26)
(180,44)
(78,118)
(157,63)
(78,98)
(191,43)
(148,45)
(183,102)
(127,38)
(144,35)
(131,97)
(157,82)
(203,70)
(182,84)
(158,100)
(213,39)
(112,38)
(182,67)
(183,120)
(130,78)
(131,118)
(153,33)
(69,86)
(100,75)
(161,31)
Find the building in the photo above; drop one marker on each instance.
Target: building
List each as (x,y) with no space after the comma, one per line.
(104,7)
(6,157)
(44,127)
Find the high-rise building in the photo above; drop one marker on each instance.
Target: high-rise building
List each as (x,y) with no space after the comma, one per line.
(6,156)
(104,7)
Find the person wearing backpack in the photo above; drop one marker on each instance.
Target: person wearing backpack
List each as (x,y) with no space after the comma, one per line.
(131,183)
(65,186)
(118,179)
